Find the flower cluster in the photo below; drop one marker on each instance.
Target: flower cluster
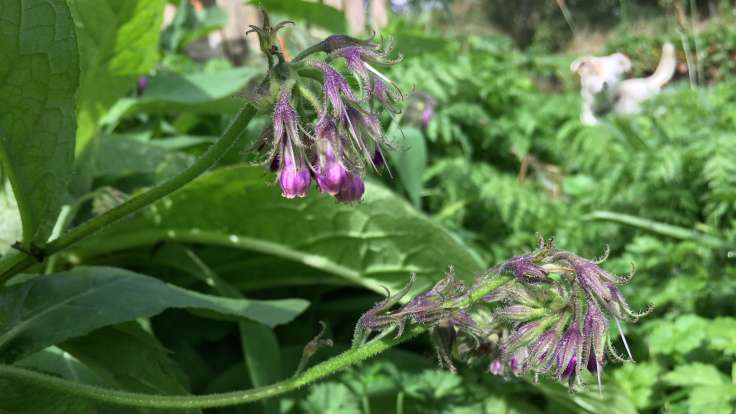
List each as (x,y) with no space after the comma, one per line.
(325,130)
(552,318)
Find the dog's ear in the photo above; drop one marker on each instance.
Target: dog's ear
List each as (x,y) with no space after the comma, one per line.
(579,63)
(623,61)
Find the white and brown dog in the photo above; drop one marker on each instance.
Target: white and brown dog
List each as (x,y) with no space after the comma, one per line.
(603,90)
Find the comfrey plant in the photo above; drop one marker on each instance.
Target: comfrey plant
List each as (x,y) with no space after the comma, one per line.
(325,128)
(552,318)
(546,312)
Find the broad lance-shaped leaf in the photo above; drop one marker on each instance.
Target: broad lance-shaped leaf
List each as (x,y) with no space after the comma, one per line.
(118,42)
(47,310)
(39,73)
(378,242)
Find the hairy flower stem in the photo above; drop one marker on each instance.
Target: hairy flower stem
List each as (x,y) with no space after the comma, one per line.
(317,372)
(13,264)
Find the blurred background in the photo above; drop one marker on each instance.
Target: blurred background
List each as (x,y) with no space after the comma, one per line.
(491,150)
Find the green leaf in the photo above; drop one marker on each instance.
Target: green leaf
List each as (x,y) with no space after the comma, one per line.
(331,398)
(21,398)
(118,157)
(208,92)
(722,335)
(713,399)
(378,242)
(130,358)
(39,74)
(47,310)
(683,335)
(410,161)
(321,15)
(118,42)
(694,374)
(638,381)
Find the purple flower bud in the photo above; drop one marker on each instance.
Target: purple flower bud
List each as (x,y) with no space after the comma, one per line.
(518,361)
(518,313)
(352,190)
(294,177)
(142,84)
(496,367)
(285,124)
(524,268)
(378,159)
(427,115)
(569,351)
(595,332)
(335,87)
(543,349)
(385,95)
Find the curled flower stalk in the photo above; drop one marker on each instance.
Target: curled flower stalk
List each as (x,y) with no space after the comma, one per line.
(325,129)
(553,318)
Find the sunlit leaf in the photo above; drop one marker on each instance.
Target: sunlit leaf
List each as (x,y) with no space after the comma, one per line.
(39,74)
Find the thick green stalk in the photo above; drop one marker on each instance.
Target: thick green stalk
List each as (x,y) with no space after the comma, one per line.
(15,263)
(317,372)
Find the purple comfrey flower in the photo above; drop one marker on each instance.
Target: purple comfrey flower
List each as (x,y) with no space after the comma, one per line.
(294,177)
(285,123)
(595,332)
(496,367)
(600,285)
(569,351)
(364,132)
(335,87)
(359,60)
(524,268)
(541,351)
(352,190)
(331,174)
(518,361)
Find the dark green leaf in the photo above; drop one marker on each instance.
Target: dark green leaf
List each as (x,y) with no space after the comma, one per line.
(330,398)
(47,310)
(131,359)
(39,74)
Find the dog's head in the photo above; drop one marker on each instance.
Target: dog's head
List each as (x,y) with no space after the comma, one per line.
(598,73)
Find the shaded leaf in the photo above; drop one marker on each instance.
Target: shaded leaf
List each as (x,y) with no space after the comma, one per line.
(330,398)
(47,310)
(131,359)
(39,74)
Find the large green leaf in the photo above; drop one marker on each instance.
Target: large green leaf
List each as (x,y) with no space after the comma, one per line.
(118,42)
(309,12)
(47,310)
(377,242)
(39,73)
(21,398)
(208,92)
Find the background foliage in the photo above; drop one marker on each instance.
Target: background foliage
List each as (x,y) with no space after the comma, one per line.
(219,286)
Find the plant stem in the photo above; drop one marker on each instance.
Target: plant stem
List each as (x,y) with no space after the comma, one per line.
(15,263)
(317,372)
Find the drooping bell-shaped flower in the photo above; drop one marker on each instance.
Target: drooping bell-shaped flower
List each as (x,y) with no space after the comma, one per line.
(294,177)
(331,174)
(352,190)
